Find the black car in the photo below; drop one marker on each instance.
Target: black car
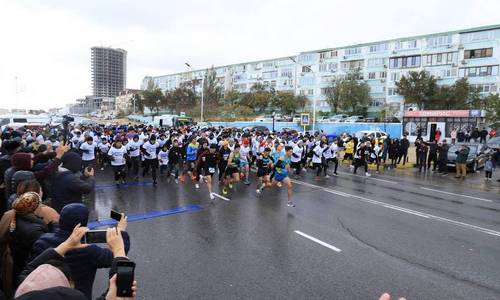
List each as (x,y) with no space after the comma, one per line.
(477,155)
(494,143)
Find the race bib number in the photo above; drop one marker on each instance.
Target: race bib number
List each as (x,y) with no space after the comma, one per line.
(211,170)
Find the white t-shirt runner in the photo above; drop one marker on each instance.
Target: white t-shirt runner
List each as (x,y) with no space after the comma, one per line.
(89,151)
(150,150)
(118,155)
(134,148)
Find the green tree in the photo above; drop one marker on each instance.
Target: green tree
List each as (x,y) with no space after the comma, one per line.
(152,97)
(232,97)
(418,88)
(492,106)
(333,92)
(354,94)
(258,99)
(288,103)
(137,102)
(183,98)
(212,90)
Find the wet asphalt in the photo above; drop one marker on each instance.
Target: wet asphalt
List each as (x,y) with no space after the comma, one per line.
(421,236)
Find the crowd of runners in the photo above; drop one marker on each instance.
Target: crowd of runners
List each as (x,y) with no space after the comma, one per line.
(202,156)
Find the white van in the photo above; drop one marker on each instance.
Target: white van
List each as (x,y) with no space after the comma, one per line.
(16,121)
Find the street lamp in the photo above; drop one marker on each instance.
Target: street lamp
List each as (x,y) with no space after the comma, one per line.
(274,114)
(202,90)
(295,86)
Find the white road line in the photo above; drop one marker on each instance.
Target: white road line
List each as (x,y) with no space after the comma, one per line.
(459,195)
(318,241)
(370,178)
(221,197)
(405,210)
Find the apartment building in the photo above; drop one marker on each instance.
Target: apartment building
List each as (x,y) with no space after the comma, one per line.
(473,53)
(109,71)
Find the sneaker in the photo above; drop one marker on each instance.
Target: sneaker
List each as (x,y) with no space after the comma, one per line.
(279,184)
(117,183)
(212,197)
(176,180)
(201,179)
(368,174)
(224,191)
(258,191)
(102,169)
(154,182)
(247,182)
(290,204)
(327,176)
(335,174)
(230,185)
(197,186)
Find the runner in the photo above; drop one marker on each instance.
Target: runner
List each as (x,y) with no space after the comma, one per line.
(88,152)
(117,155)
(245,161)
(208,163)
(191,155)
(149,150)
(282,169)
(174,159)
(103,147)
(232,172)
(163,160)
(264,167)
(224,153)
(134,151)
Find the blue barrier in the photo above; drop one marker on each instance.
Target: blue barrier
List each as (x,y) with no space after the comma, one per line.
(146,215)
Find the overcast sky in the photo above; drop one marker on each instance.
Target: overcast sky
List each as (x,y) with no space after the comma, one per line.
(46,44)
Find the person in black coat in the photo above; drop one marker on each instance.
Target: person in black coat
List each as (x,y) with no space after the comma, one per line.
(433,148)
(404,146)
(24,229)
(68,185)
(85,261)
(443,157)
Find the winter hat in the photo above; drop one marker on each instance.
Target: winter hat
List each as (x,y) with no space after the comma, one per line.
(71,215)
(21,161)
(27,203)
(72,161)
(44,277)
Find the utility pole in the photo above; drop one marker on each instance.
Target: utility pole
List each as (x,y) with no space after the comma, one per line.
(202,91)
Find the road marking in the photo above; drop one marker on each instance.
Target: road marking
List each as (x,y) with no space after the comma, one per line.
(459,195)
(221,197)
(371,178)
(402,209)
(318,241)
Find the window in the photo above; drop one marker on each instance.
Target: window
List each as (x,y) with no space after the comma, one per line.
(377,102)
(305,57)
(325,91)
(371,75)
(322,67)
(376,62)
(383,74)
(323,55)
(310,92)
(306,69)
(395,76)
(286,73)
(439,58)
(478,71)
(478,53)
(398,45)
(268,64)
(302,92)
(332,66)
(269,74)
(486,87)
(334,53)
(442,40)
(305,81)
(391,92)
(352,51)
(353,64)
(404,62)
(378,47)
(479,36)
(411,44)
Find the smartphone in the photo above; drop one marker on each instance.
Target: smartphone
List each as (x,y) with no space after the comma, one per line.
(95,237)
(115,215)
(124,278)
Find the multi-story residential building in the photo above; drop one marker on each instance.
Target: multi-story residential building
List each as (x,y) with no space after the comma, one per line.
(472,53)
(109,71)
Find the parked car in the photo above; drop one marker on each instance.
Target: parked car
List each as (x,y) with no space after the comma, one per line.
(323,119)
(338,118)
(494,143)
(257,128)
(477,155)
(372,134)
(355,119)
(266,118)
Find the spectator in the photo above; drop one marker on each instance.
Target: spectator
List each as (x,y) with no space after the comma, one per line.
(9,148)
(482,135)
(83,261)
(36,285)
(461,160)
(68,185)
(20,228)
(44,212)
(453,135)
(443,157)
(474,135)
(405,144)
(437,135)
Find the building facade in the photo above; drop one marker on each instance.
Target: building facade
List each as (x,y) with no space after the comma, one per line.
(92,104)
(472,53)
(109,71)
(124,102)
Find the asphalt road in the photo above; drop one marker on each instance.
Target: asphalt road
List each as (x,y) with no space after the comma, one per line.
(422,236)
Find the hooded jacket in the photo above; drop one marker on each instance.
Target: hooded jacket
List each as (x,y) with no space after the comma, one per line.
(85,261)
(68,185)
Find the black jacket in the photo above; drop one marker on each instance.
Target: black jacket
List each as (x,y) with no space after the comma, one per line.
(68,187)
(28,229)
